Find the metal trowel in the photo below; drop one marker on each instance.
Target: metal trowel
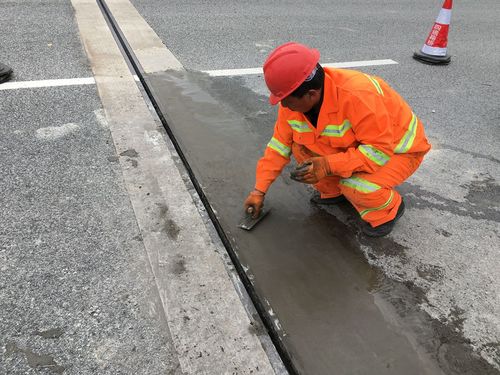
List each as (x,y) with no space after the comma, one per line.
(248,222)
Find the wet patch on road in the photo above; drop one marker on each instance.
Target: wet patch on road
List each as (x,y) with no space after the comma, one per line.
(484,191)
(168,225)
(430,272)
(179,266)
(53,333)
(423,198)
(35,361)
(131,153)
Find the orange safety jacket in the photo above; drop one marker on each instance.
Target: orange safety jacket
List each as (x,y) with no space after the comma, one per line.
(362,123)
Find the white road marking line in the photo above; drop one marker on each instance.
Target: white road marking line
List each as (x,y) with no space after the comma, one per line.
(51,83)
(348,64)
(213,73)
(233,72)
(47,83)
(355,64)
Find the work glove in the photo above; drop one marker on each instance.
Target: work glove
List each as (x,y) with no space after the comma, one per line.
(254,203)
(312,170)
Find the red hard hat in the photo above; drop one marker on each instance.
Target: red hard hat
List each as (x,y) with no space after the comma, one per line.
(287,67)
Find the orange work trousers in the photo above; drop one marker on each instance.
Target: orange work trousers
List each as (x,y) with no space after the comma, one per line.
(372,194)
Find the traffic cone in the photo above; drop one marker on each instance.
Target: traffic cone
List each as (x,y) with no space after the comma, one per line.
(434,50)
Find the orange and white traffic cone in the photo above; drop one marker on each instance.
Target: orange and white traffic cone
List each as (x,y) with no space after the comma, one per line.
(434,50)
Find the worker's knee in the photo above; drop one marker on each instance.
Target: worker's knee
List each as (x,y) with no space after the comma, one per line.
(376,206)
(363,193)
(328,187)
(364,199)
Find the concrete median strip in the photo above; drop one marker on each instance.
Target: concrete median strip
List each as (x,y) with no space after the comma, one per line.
(210,329)
(147,46)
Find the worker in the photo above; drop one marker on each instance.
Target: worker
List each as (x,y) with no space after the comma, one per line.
(5,72)
(352,135)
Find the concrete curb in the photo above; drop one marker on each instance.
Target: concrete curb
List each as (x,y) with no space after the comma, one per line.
(210,328)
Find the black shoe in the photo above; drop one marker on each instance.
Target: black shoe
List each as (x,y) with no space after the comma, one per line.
(383,229)
(335,200)
(5,72)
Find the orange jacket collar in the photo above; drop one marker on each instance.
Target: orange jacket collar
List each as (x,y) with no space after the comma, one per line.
(330,97)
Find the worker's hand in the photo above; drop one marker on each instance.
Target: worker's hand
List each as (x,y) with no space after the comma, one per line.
(312,170)
(254,203)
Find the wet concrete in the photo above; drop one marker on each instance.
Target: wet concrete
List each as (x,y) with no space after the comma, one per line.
(35,361)
(333,312)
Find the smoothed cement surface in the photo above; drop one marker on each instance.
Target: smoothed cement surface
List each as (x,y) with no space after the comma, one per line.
(331,309)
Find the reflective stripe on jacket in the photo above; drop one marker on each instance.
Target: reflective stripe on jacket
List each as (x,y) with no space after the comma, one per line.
(361,124)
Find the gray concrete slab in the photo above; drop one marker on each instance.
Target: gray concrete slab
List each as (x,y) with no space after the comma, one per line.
(76,291)
(449,235)
(40,40)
